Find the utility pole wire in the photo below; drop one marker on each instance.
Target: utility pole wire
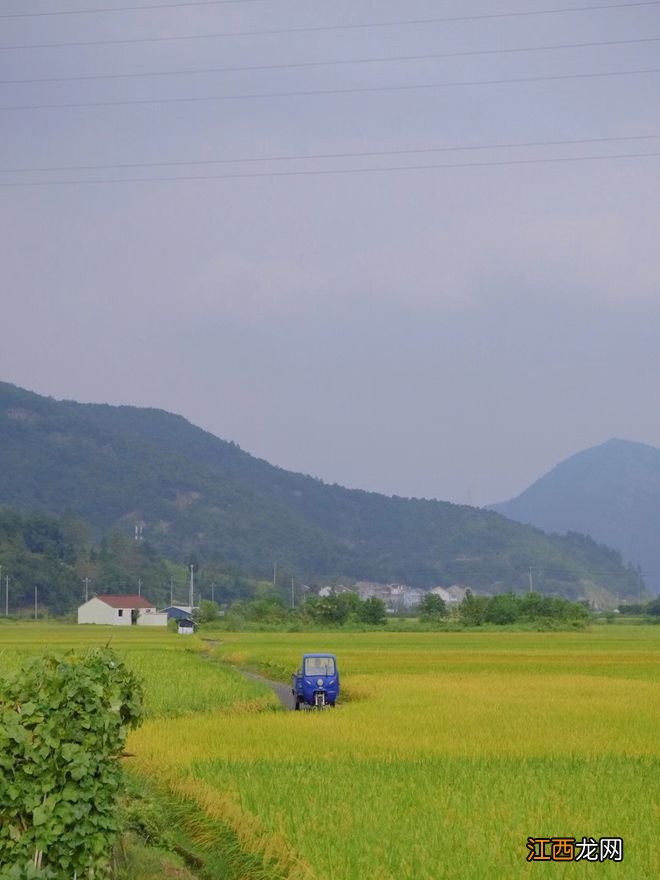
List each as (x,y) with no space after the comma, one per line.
(332,63)
(339,27)
(104,9)
(354,90)
(460,148)
(336,171)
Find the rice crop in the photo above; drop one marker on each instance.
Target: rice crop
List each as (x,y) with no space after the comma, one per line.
(448,751)
(178,678)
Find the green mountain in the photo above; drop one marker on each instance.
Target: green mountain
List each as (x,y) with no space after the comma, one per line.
(199,496)
(611,492)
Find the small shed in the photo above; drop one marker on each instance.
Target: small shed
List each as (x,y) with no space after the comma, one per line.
(120,611)
(178,612)
(185,626)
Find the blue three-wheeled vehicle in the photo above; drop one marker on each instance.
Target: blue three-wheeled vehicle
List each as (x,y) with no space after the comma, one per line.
(316,684)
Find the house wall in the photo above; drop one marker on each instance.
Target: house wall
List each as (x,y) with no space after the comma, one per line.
(152,618)
(96,611)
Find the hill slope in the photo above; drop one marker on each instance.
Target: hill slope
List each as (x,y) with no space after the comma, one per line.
(611,492)
(197,494)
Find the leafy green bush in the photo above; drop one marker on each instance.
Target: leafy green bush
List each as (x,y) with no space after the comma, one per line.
(207,612)
(63,726)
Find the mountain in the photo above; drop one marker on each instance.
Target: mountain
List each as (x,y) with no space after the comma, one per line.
(199,496)
(611,492)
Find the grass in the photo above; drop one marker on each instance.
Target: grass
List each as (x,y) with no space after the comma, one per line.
(448,751)
(137,861)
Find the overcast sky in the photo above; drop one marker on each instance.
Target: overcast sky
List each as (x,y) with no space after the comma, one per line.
(444,332)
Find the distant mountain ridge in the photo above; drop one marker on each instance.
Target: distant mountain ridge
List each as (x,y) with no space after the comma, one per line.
(611,492)
(199,495)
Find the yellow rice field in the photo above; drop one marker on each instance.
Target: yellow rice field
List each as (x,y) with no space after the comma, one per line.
(447,753)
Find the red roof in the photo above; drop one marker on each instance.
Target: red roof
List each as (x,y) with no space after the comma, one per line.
(126,601)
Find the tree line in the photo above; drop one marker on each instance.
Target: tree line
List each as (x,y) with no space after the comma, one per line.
(347,609)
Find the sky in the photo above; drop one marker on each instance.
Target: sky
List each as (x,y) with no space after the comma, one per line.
(447,316)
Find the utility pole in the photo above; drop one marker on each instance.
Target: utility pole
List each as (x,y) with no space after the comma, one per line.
(274,575)
(293,595)
(36,601)
(192,586)
(139,586)
(531,580)
(171,591)
(213,592)
(7,596)
(86,589)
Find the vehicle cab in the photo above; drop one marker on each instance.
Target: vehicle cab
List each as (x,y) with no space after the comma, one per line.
(316,684)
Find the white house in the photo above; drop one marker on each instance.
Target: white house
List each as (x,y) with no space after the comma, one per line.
(451,595)
(120,611)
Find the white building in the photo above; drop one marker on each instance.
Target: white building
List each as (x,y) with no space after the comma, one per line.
(412,597)
(120,611)
(452,595)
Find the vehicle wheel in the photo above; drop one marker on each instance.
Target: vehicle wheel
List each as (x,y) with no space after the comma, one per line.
(297,705)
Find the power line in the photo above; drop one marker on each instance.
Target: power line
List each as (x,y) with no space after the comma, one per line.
(341,27)
(319,156)
(124,8)
(333,63)
(354,90)
(336,171)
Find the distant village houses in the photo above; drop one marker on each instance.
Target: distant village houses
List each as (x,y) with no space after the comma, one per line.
(397,597)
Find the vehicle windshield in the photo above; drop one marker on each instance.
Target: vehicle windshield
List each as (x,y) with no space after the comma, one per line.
(319,666)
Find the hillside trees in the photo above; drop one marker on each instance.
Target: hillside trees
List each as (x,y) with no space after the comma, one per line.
(35,550)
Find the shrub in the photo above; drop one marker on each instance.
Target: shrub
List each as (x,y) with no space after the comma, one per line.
(63,726)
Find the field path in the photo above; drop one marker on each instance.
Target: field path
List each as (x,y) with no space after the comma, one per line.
(283,691)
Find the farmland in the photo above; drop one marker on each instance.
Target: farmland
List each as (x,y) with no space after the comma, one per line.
(447,753)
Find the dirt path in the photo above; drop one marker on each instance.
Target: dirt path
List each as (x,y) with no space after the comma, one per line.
(283,691)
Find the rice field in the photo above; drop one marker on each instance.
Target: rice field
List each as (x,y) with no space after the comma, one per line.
(178,678)
(447,753)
